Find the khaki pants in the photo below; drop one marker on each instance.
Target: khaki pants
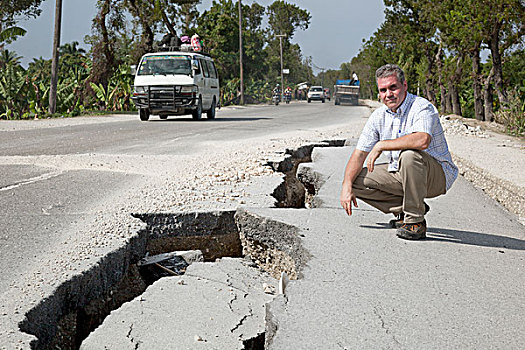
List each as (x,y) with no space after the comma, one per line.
(419,176)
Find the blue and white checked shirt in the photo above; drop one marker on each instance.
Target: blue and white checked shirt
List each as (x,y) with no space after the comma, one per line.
(415,114)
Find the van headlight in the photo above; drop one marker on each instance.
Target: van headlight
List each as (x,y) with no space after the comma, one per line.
(139,89)
(189,89)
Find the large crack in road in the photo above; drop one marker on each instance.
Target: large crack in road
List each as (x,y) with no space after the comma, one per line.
(80,305)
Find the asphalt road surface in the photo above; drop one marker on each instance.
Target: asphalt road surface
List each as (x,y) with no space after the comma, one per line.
(126,134)
(43,193)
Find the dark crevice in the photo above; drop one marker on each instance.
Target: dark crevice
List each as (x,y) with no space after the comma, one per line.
(81,304)
(256,343)
(292,192)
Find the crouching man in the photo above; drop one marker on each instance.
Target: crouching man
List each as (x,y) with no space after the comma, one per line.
(407,129)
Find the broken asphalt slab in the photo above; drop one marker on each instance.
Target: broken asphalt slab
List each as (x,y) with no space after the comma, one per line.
(217,305)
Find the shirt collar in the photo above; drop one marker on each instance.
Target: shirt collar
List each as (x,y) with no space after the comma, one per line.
(407,102)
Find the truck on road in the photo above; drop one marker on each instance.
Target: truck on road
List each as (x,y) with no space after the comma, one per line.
(345,92)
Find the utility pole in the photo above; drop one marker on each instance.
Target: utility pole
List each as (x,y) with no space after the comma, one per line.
(281,36)
(54,62)
(240,54)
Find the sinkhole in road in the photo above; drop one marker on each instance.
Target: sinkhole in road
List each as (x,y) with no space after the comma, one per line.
(78,306)
(81,304)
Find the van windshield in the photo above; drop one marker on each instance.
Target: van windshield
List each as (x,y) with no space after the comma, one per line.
(165,64)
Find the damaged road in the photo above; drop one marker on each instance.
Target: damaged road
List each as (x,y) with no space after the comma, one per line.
(354,284)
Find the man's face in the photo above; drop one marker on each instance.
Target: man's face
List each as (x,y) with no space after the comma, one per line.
(391,91)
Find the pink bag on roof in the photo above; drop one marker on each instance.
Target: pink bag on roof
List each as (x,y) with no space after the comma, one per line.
(195,43)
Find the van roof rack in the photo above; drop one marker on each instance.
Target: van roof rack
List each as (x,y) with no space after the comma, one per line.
(181,49)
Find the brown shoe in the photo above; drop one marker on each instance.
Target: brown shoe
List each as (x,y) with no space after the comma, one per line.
(413,231)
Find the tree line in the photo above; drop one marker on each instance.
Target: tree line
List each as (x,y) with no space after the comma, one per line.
(440,46)
(467,57)
(101,79)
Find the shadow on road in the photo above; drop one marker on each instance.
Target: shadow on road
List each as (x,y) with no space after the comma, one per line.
(464,237)
(474,238)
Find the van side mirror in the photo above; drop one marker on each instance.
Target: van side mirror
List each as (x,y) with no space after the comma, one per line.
(133,69)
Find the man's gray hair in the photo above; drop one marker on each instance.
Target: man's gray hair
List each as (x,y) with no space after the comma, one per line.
(390,69)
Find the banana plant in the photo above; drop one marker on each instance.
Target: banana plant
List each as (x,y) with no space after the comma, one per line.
(10,34)
(13,82)
(39,98)
(104,94)
(65,95)
(73,84)
(123,80)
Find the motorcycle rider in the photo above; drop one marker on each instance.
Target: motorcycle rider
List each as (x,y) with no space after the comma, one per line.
(276,94)
(287,94)
(277,89)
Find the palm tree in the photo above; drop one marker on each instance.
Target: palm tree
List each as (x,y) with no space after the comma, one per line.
(39,67)
(71,49)
(9,58)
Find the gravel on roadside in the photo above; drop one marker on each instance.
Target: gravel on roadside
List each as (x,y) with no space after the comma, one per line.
(492,161)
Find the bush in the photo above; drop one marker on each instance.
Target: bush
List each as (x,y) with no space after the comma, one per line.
(513,116)
(254,92)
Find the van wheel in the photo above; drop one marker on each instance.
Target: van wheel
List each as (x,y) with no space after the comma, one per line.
(197,113)
(336,102)
(163,116)
(211,112)
(143,114)
(309,101)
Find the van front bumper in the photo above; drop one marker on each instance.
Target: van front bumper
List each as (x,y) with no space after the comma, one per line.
(165,98)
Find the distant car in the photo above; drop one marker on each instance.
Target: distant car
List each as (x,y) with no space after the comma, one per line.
(316,93)
(327,93)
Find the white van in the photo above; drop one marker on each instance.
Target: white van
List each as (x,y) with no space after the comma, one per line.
(176,83)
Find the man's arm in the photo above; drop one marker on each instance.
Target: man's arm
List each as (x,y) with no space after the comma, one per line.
(353,168)
(416,140)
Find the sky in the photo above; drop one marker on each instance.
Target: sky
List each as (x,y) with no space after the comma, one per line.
(335,34)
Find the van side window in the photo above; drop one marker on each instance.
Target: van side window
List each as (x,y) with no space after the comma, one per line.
(198,71)
(205,68)
(211,69)
(215,69)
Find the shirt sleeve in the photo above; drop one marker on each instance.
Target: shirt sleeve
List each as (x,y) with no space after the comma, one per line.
(369,136)
(423,118)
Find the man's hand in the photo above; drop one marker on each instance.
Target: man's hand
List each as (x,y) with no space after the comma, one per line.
(374,154)
(353,168)
(347,199)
